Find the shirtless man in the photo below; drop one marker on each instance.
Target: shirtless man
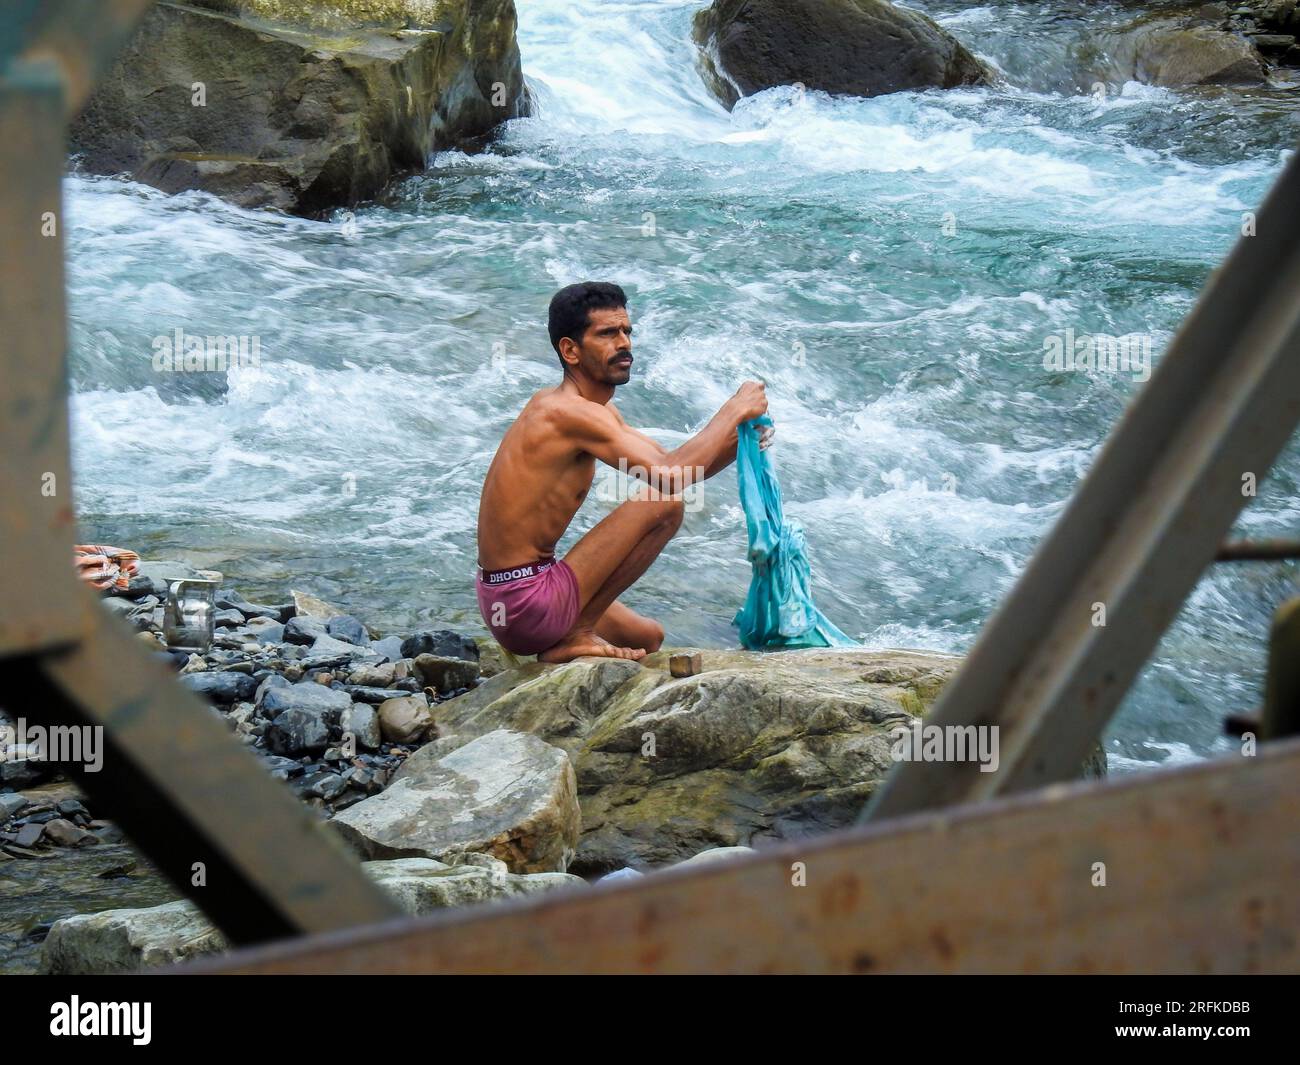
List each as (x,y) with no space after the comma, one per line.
(542,472)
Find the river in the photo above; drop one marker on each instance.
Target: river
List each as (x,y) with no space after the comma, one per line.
(892,267)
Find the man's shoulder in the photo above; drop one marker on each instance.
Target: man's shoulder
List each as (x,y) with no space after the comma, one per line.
(565,408)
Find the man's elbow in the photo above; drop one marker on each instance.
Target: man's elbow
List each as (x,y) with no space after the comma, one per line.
(674,479)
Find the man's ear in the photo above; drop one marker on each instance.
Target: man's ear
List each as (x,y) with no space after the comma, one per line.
(569,351)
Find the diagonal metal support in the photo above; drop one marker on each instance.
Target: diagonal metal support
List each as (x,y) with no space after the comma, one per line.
(227,835)
(1137,535)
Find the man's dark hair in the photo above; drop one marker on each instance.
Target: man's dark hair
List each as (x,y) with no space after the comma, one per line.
(571,306)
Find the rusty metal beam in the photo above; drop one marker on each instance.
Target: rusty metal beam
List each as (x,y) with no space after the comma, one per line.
(1200,865)
(1050,667)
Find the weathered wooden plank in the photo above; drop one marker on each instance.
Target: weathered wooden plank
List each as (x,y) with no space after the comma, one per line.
(1200,864)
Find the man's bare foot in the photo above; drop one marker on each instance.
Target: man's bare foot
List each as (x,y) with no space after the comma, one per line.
(585,642)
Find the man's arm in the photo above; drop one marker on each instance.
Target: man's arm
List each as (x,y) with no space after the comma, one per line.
(602,432)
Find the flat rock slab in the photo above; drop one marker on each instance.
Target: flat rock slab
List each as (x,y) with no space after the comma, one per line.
(756,746)
(122,941)
(506,794)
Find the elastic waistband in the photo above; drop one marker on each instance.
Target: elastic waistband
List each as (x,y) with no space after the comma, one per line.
(517,573)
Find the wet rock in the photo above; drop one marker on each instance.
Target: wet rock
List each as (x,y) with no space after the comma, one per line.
(11,804)
(231,599)
(275,680)
(298,730)
(265,630)
(374,696)
(348,629)
(281,767)
(717,854)
(444,674)
(308,606)
(390,647)
(755,747)
(122,941)
(222,687)
(305,695)
(328,647)
(406,720)
(855,47)
(506,794)
(66,834)
(29,834)
(304,630)
(302,716)
(305,112)
(441,642)
(378,676)
(422,885)
(362,721)
(193,664)
(227,619)
(324,784)
(1178,51)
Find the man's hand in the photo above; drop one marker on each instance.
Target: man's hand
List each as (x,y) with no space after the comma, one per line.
(749,401)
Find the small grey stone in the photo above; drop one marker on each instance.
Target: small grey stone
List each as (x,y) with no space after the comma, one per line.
(10,805)
(324,783)
(390,648)
(440,642)
(66,834)
(273,681)
(306,695)
(362,721)
(349,629)
(223,687)
(29,835)
(304,631)
(445,674)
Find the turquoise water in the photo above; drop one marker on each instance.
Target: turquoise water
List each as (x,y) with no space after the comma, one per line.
(891,267)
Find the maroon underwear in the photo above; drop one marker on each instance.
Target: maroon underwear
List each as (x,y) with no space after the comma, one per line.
(531,607)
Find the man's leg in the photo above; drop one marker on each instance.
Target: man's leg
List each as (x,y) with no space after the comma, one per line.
(607,561)
(624,627)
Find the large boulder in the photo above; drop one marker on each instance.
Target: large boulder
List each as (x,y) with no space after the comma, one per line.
(755,747)
(1175,51)
(505,794)
(121,941)
(857,47)
(301,105)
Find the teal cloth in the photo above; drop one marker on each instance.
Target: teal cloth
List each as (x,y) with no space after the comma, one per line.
(778,611)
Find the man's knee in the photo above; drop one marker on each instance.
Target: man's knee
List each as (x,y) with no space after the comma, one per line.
(654,636)
(671,512)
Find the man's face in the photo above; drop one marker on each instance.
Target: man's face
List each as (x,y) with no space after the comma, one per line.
(605,354)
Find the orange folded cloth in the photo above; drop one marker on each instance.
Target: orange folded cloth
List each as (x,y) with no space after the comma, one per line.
(104,566)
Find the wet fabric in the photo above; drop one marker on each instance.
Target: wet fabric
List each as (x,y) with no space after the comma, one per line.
(778,611)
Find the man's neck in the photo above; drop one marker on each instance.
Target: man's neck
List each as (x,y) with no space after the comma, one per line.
(584,386)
